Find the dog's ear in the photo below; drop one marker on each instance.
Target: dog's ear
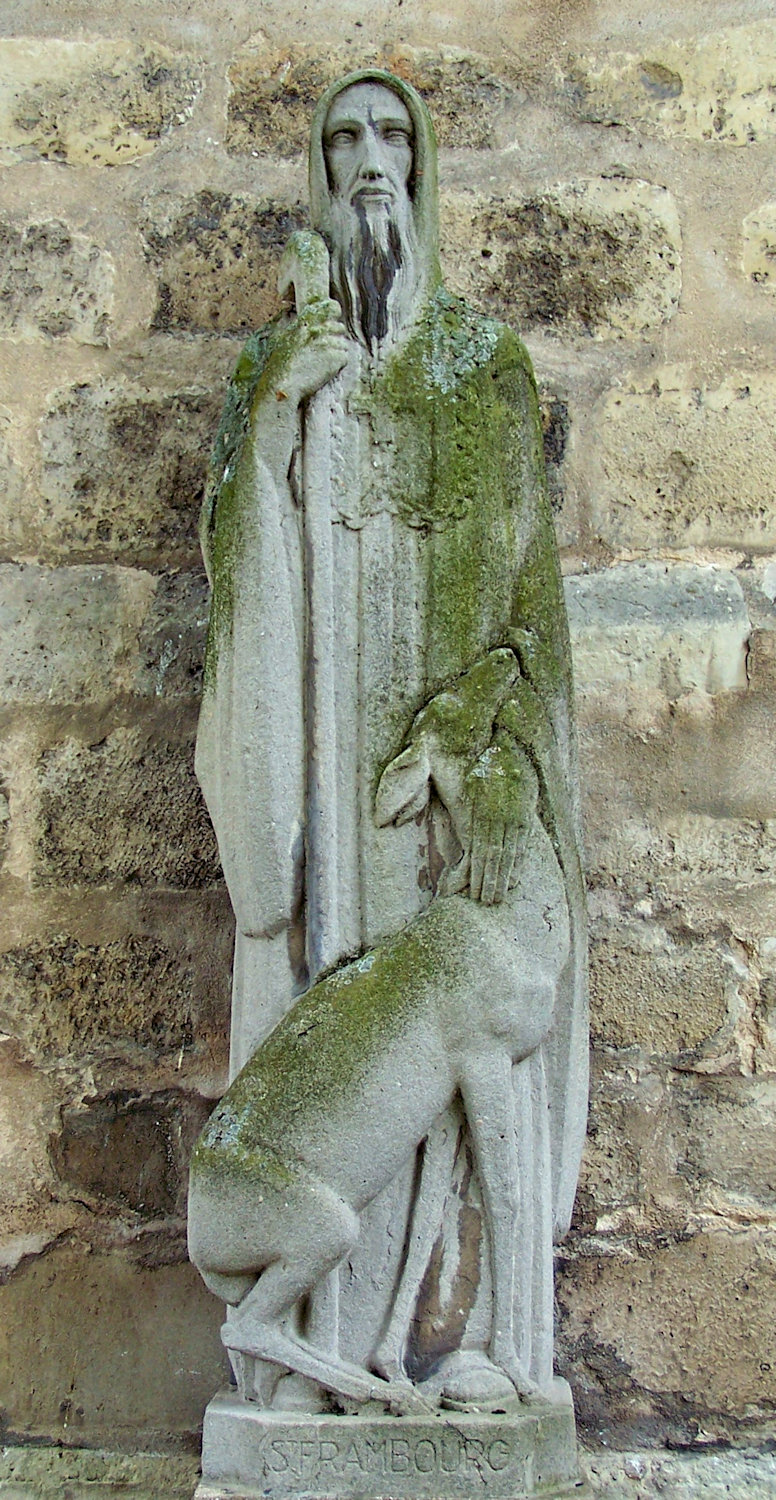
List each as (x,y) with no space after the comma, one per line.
(404,786)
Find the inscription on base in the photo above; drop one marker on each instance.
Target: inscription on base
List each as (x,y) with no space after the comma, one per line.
(282,1456)
(318,1461)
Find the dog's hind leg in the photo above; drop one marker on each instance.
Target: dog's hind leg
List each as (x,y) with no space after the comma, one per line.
(267,1343)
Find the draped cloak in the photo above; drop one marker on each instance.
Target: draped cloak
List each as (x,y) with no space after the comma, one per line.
(443,549)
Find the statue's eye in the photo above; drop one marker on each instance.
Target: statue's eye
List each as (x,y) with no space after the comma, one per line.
(396,136)
(343,137)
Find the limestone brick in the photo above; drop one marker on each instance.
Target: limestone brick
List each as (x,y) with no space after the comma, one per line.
(141,1359)
(89,634)
(759,258)
(70,634)
(93,103)
(668,997)
(675,462)
(676,1336)
(629,1180)
(127,809)
(657,628)
(28,1114)
(10,478)
(704,760)
(725,1143)
(274,91)
(666,1146)
(599,257)
(171,638)
(61,997)
(717,87)
(123,470)
(216,256)
(5,820)
(664,854)
(128,1150)
(55,282)
(48,1473)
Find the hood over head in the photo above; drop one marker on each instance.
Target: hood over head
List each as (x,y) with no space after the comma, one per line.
(423,188)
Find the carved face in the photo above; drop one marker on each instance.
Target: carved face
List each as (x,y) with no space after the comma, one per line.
(367,142)
(368,148)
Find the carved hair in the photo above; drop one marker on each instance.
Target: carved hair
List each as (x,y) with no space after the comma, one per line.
(374,268)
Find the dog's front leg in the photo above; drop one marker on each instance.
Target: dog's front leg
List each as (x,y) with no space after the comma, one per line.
(486,1088)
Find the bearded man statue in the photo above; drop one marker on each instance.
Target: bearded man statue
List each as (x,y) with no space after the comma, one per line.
(386,747)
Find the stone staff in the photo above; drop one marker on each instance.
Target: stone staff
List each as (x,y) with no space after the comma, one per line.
(305,265)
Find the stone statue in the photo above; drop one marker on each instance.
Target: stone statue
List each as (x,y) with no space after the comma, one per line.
(386,748)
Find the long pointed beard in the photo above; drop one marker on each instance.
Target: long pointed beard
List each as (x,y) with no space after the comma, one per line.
(374,268)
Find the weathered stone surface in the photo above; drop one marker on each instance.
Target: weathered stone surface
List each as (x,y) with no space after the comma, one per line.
(600,257)
(217,256)
(27,1114)
(675,1340)
(664,855)
(666,1147)
(5,821)
(127,809)
(717,87)
(171,641)
(130,1149)
(678,999)
(92,103)
(733,1474)
(759,259)
(51,1473)
(658,627)
(765,1011)
(706,758)
(62,996)
(678,463)
(630,1181)
(70,634)
(10,482)
(55,282)
(412,1457)
(141,1357)
(273,92)
(726,1475)
(726,1141)
(123,472)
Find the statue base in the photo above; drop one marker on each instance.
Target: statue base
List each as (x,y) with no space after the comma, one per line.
(248,1452)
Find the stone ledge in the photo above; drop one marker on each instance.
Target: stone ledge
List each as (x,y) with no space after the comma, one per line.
(251,1453)
(41,1473)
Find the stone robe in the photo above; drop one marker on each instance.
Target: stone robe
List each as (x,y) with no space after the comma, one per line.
(442,549)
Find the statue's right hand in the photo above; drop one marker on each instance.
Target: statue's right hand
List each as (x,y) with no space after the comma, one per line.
(314,350)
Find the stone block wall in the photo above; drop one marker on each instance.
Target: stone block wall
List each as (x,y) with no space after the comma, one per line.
(608,186)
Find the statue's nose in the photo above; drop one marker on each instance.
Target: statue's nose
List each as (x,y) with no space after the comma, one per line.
(371,166)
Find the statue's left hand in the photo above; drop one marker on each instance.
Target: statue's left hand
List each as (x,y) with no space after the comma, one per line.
(500,805)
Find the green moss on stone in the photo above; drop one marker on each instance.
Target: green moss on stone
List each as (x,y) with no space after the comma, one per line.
(502,784)
(321,1052)
(461,719)
(225,499)
(459,404)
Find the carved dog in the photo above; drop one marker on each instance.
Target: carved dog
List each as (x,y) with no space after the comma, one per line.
(350,1083)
